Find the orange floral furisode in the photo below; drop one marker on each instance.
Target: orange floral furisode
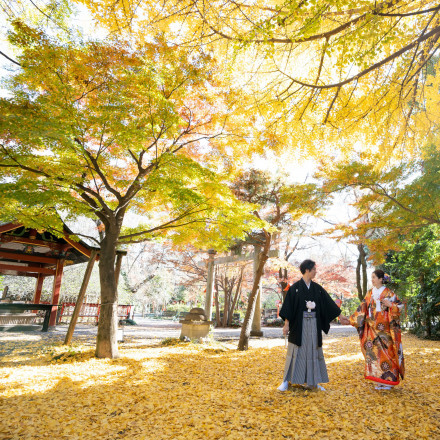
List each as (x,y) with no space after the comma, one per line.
(381,338)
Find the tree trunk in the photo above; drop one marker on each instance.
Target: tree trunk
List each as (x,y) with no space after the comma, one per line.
(234,302)
(361,277)
(217,305)
(364,271)
(425,315)
(358,279)
(106,343)
(243,343)
(428,323)
(226,303)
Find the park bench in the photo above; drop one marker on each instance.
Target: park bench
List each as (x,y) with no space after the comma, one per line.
(16,308)
(168,314)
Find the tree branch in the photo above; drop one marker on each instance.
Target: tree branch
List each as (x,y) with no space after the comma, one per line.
(315,37)
(10,59)
(432,33)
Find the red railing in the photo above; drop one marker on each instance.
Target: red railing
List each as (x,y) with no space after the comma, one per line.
(91,311)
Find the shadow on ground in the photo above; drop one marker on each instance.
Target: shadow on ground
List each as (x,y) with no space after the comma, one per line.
(189,392)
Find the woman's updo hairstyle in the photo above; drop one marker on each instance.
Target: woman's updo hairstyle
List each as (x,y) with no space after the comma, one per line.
(382,275)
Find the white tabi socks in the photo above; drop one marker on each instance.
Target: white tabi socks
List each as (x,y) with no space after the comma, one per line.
(284,386)
(383,387)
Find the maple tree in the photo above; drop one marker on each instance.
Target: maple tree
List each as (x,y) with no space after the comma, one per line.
(103,129)
(357,239)
(395,198)
(147,277)
(150,266)
(230,279)
(280,204)
(292,235)
(189,271)
(337,278)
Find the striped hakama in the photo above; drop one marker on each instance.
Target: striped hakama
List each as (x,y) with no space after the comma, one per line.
(305,364)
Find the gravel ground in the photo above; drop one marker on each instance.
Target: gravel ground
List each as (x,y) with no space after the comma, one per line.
(148,331)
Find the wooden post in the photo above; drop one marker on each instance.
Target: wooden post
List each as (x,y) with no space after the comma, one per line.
(117,272)
(80,299)
(209,285)
(56,292)
(256,320)
(38,288)
(5,292)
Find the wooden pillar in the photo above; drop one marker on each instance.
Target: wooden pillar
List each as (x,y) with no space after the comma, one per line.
(56,292)
(81,296)
(38,288)
(117,273)
(209,285)
(256,320)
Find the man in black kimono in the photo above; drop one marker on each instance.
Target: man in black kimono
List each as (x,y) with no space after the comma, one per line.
(307,312)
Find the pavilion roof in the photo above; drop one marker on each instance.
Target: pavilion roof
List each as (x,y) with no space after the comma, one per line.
(28,252)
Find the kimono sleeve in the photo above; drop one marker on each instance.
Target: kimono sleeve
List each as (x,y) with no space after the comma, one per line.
(330,310)
(357,319)
(287,309)
(396,308)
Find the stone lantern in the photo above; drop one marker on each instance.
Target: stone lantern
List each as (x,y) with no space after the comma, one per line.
(195,325)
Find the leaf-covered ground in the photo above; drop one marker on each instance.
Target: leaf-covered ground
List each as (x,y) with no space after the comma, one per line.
(192,391)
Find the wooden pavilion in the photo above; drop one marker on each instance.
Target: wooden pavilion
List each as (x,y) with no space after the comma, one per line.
(29,253)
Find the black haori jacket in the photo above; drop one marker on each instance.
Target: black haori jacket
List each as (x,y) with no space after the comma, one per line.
(295,304)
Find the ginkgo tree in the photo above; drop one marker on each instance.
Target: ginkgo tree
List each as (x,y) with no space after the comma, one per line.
(107,129)
(319,69)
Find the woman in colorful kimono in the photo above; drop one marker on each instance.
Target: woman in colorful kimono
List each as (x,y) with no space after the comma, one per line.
(378,325)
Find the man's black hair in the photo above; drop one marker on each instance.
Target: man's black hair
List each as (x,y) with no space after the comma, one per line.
(306,265)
